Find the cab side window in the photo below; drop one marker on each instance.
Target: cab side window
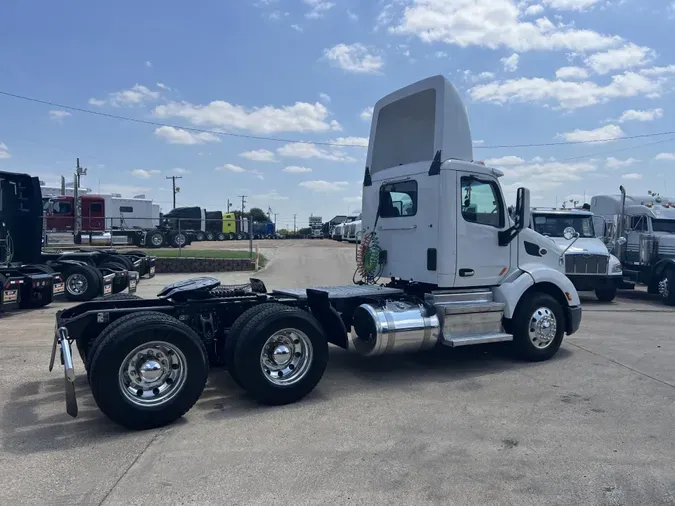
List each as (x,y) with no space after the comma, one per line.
(398,199)
(481,202)
(638,223)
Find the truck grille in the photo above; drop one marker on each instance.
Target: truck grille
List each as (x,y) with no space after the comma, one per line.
(585,264)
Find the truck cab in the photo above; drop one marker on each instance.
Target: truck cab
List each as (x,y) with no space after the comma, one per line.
(60,213)
(588,263)
(641,230)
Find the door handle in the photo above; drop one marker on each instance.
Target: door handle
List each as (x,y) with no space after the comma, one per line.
(466,273)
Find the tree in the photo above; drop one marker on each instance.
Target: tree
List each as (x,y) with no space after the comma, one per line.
(258,215)
(305,231)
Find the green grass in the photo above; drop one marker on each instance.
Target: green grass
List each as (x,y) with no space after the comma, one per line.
(203,253)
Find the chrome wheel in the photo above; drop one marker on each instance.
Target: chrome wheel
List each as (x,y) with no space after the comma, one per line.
(543,327)
(157,240)
(77,284)
(152,374)
(286,357)
(179,240)
(663,288)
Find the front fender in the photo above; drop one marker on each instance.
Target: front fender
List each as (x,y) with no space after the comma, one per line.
(513,288)
(662,265)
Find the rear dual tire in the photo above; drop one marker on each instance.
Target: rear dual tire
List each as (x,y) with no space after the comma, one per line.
(277,353)
(147,370)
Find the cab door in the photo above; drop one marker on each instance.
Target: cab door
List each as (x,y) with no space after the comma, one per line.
(481,215)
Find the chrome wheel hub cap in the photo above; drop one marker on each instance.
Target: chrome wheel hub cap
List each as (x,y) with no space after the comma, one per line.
(663,288)
(543,327)
(77,284)
(152,374)
(286,357)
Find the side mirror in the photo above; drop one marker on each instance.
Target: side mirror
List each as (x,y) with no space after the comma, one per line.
(569,233)
(522,208)
(621,241)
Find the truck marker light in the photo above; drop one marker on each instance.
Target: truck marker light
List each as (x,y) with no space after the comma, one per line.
(569,296)
(504,269)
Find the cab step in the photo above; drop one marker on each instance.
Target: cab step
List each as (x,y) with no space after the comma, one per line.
(455,341)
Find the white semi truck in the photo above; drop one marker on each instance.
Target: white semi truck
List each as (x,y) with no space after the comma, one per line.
(640,229)
(588,263)
(440,264)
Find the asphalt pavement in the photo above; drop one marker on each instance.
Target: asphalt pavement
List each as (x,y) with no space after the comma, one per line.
(469,426)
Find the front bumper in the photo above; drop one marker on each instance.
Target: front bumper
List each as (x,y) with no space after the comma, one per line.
(573,320)
(589,282)
(62,342)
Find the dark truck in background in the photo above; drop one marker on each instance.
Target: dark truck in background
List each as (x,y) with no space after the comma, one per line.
(77,275)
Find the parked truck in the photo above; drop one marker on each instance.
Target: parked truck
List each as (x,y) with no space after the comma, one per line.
(588,263)
(82,275)
(455,271)
(640,230)
(316,227)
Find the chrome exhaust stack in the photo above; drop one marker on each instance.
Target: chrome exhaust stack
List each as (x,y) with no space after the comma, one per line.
(394,327)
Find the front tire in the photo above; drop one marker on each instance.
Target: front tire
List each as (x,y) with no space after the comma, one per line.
(148,371)
(605,294)
(666,287)
(280,355)
(155,239)
(539,327)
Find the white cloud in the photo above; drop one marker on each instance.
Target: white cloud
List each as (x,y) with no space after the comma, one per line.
(299,117)
(367,114)
(632,175)
(352,15)
(178,170)
(568,94)
(602,134)
(259,155)
(661,156)
(614,163)
(230,167)
(504,160)
(325,186)
(136,95)
(571,5)
(571,73)
(468,75)
(510,63)
(58,115)
(441,54)
(257,174)
(628,56)
(355,58)
(533,10)
(648,115)
(318,8)
(351,141)
(478,142)
(295,169)
(163,86)
(148,64)
(123,189)
(493,24)
(4,151)
(297,28)
(353,200)
(658,71)
(144,174)
(308,150)
(544,176)
(271,195)
(179,136)
(324,97)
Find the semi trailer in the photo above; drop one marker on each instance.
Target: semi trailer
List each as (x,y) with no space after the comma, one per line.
(453,270)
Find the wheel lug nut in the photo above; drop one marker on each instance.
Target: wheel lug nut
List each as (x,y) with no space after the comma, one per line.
(139,392)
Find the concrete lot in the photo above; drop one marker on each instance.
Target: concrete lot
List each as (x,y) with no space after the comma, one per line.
(593,426)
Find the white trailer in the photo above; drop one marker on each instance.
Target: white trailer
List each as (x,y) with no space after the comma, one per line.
(130,212)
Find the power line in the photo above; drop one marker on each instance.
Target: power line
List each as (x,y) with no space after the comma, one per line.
(319,143)
(610,152)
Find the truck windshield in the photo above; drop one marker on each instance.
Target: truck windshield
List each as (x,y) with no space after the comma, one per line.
(553,225)
(663,226)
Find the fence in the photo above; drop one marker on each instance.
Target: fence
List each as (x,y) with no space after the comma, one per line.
(186,237)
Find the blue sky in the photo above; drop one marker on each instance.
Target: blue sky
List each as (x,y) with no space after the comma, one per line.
(537,71)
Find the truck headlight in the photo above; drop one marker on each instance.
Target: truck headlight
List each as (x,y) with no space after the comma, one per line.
(616,268)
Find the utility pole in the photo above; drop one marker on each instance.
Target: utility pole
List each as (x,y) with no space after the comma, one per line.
(175,190)
(294,229)
(79,172)
(228,205)
(243,202)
